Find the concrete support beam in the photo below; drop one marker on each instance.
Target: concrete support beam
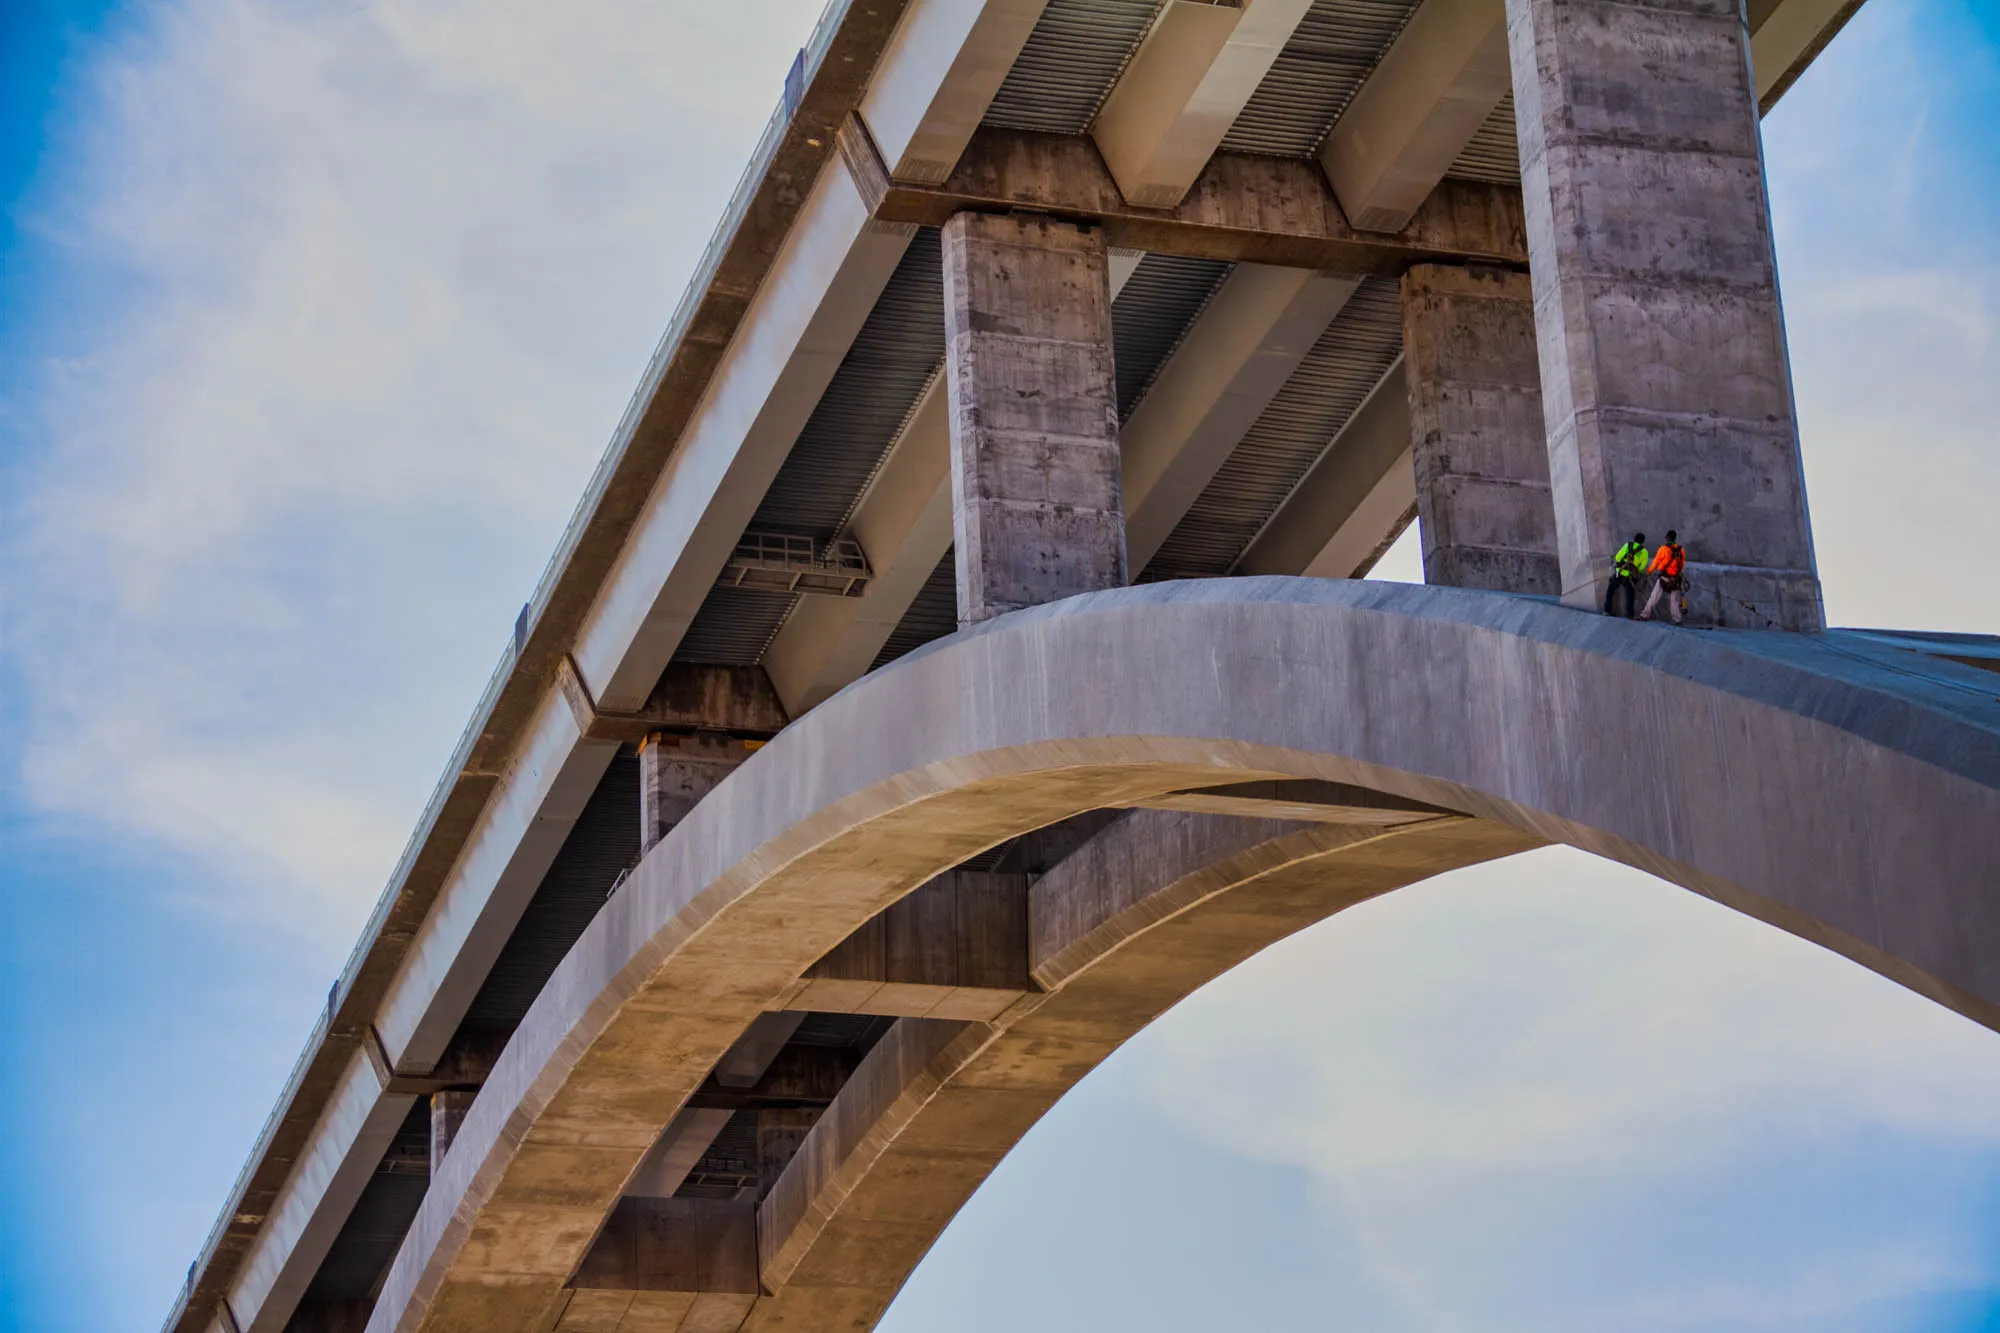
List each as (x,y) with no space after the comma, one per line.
(1354,503)
(686,1137)
(1036,515)
(360,1120)
(1418,110)
(939,74)
(802,323)
(674,773)
(675,1245)
(1665,377)
(1242,208)
(1482,466)
(1785,37)
(956,948)
(903,523)
(1190,78)
(1240,351)
(895,1081)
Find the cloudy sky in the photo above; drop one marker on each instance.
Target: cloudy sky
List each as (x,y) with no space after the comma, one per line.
(314,317)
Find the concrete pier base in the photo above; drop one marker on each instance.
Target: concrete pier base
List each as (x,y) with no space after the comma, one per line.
(1036,501)
(1476,434)
(1665,377)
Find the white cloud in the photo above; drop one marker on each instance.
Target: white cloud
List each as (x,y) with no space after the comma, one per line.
(1536,1071)
(1555,1010)
(354,295)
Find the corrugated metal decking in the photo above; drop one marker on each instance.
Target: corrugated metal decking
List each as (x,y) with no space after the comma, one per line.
(1152,314)
(838,451)
(1317,74)
(1293,431)
(1494,155)
(1070,64)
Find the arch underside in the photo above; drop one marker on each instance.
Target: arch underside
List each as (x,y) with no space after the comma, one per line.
(1822,785)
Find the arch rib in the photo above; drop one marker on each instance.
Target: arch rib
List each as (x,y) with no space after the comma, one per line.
(1515,712)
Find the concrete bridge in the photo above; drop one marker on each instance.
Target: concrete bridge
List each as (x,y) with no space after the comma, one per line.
(960,654)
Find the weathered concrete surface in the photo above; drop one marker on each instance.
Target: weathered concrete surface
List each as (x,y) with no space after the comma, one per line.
(1476,439)
(1145,913)
(1665,376)
(674,773)
(1195,71)
(957,948)
(1036,509)
(1473,702)
(1243,207)
(1420,107)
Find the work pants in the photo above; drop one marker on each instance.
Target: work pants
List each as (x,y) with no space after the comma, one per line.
(1676,599)
(1621,583)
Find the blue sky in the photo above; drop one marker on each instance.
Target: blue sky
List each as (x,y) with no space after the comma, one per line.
(313,319)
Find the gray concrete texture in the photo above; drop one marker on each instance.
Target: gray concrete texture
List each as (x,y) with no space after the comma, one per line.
(674,773)
(1519,715)
(1476,434)
(1665,377)
(1035,479)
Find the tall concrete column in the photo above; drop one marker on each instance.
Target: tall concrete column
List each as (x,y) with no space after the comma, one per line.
(1036,510)
(1665,377)
(674,773)
(1476,434)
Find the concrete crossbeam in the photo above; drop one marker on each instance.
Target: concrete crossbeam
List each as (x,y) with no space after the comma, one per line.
(1036,515)
(1481,462)
(956,948)
(651,1244)
(1231,362)
(1665,377)
(1198,66)
(1242,208)
(942,67)
(737,700)
(1418,110)
(1354,502)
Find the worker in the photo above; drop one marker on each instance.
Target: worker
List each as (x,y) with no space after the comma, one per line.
(1668,562)
(1626,567)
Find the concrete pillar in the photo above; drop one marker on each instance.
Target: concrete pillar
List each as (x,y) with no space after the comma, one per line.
(1476,435)
(674,773)
(448,1112)
(1036,510)
(1665,377)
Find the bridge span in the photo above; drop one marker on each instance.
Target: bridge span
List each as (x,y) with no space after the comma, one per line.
(962,653)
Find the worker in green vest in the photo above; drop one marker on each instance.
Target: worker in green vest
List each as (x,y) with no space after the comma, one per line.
(1669,562)
(1626,567)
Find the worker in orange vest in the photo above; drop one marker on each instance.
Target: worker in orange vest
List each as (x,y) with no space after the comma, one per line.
(1669,562)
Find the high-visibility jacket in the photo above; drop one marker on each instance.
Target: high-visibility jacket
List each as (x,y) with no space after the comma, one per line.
(1669,560)
(1630,560)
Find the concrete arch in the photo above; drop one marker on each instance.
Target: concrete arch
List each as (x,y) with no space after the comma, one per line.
(1517,713)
